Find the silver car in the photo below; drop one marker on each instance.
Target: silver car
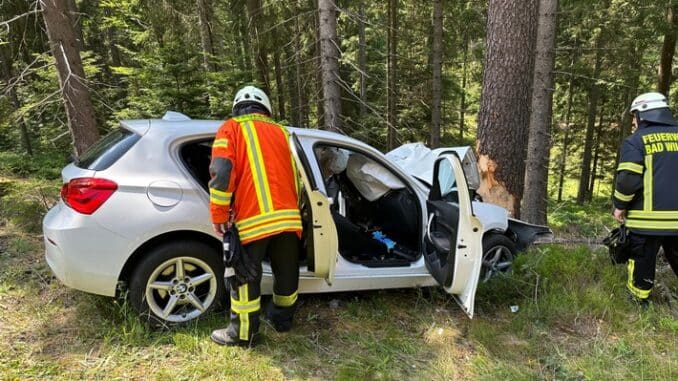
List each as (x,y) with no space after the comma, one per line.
(133,217)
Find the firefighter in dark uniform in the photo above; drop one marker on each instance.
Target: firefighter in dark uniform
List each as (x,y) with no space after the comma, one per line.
(645,195)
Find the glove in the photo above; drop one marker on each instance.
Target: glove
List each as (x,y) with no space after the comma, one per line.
(234,257)
(618,245)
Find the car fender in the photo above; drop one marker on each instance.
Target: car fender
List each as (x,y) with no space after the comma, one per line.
(493,217)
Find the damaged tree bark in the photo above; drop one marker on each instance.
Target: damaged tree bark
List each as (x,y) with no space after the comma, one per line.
(504,107)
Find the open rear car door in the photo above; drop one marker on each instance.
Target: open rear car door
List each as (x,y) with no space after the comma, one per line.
(453,241)
(323,235)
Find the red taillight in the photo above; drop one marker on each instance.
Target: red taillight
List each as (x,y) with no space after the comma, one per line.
(87,194)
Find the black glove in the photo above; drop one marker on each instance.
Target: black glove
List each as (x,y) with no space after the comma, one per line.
(235,258)
(619,245)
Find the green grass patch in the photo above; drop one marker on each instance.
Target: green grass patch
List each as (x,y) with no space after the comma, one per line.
(573,322)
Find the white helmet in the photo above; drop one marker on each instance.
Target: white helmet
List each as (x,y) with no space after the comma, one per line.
(648,101)
(252,94)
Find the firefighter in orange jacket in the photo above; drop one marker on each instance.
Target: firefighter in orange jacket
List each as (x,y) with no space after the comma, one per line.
(254,183)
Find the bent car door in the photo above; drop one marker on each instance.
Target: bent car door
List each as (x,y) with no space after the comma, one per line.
(453,240)
(323,235)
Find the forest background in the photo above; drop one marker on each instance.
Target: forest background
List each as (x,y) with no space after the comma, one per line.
(386,73)
(506,77)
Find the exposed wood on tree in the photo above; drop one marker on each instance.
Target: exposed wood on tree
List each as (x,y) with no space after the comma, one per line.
(504,107)
(436,67)
(668,49)
(392,68)
(74,90)
(534,203)
(329,64)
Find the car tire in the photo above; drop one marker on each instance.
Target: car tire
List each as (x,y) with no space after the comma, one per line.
(498,254)
(176,283)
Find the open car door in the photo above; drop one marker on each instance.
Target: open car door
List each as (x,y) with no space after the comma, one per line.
(453,241)
(323,235)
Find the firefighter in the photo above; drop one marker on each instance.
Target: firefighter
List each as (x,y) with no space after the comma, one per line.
(254,184)
(645,191)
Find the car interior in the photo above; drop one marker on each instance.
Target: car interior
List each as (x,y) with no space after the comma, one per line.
(376,214)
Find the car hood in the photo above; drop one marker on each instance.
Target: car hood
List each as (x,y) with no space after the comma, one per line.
(417,160)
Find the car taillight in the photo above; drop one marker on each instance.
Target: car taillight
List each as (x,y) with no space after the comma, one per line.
(87,194)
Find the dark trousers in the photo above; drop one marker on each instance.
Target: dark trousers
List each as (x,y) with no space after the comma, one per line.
(283,251)
(641,265)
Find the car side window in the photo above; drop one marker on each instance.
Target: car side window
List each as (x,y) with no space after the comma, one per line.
(196,157)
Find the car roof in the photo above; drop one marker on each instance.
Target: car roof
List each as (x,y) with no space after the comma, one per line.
(182,128)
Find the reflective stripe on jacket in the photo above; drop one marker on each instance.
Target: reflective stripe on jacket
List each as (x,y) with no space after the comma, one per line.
(647,179)
(254,175)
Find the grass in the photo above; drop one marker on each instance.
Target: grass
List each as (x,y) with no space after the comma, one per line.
(573,323)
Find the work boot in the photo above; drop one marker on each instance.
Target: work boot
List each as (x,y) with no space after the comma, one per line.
(224,337)
(280,318)
(644,304)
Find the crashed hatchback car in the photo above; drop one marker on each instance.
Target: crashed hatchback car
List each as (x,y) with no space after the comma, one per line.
(133,217)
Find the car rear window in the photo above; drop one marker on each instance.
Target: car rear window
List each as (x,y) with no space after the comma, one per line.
(108,150)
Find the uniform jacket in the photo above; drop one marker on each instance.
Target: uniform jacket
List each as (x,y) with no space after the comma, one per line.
(647,180)
(254,176)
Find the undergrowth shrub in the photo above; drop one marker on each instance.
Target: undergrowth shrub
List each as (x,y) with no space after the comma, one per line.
(45,165)
(24,203)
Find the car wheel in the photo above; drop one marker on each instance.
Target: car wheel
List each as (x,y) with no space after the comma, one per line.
(498,253)
(177,282)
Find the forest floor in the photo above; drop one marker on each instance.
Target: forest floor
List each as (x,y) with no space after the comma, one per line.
(573,321)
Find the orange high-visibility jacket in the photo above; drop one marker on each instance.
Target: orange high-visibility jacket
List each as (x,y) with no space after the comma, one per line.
(252,166)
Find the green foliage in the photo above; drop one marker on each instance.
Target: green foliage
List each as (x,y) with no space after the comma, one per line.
(591,220)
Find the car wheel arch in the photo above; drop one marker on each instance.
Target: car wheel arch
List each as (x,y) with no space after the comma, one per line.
(178,235)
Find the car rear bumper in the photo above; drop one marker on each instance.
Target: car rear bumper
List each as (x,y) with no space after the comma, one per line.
(82,254)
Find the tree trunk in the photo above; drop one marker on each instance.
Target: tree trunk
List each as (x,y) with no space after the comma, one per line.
(504,107)
(7,73)
(566,134)
(302,110)
(462,101)
(77,25)
(392,68)
(205,18)
(362,56)
(112,40)
(436,66)
(75,93)
(539,141)
(636,52)
(279,85)
(596,154)
(329,64)
(241,32)
(255,24)
(594,94)
(668,50)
